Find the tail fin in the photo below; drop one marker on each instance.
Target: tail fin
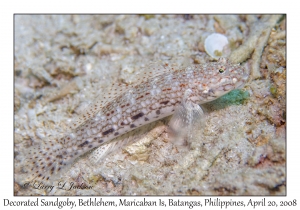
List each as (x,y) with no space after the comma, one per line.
(43,162)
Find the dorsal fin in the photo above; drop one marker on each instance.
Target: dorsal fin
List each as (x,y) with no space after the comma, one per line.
(100,102)
(118,88)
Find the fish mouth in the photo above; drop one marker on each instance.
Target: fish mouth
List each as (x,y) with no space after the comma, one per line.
(239,85)
(242,82)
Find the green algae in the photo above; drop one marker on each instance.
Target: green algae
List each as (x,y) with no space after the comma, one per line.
(236,97)
(273,90)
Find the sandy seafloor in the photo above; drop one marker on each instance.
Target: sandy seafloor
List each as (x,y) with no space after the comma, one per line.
(63,62)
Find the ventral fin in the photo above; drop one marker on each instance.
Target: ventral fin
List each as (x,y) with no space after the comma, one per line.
(188,118)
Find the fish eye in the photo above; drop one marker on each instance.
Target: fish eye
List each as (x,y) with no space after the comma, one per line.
(221,70)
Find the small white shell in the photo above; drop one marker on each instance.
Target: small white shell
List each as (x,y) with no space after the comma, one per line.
(216,45)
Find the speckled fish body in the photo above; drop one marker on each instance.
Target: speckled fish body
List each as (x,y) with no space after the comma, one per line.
(127,107)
